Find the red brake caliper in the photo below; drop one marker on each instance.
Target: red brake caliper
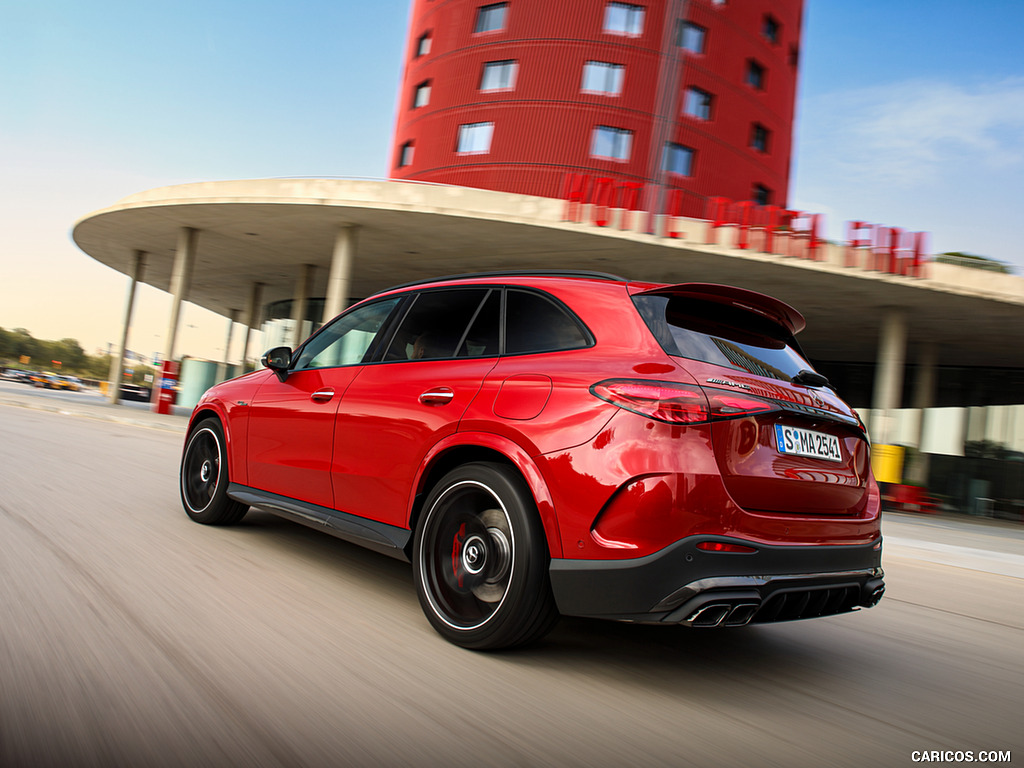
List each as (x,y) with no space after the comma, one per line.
(460,536)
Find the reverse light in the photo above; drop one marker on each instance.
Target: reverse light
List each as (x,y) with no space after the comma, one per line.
(724,546)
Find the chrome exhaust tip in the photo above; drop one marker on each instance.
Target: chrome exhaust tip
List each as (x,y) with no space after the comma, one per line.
(709,615)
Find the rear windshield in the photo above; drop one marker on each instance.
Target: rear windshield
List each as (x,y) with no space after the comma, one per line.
(721,334)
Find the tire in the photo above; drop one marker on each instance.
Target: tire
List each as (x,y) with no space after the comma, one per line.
(480,560)
(204,477)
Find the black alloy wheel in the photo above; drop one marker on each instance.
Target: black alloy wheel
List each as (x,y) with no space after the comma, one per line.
(480,560)
(204,477)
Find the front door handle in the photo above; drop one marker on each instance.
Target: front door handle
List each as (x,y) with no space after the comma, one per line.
(437,396)
(322,395)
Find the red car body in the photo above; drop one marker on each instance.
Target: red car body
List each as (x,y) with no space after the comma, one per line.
(661,484)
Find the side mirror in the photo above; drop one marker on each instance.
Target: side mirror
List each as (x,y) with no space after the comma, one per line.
(279,360)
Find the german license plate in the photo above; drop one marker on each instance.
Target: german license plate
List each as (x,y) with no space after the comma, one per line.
(805,442)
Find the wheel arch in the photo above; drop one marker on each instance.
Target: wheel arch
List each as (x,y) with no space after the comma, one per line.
(236,463)
(468,447)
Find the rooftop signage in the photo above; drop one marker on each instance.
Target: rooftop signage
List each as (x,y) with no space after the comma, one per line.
(604,202)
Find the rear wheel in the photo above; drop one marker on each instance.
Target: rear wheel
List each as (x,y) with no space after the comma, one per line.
(204,477)
(480,560)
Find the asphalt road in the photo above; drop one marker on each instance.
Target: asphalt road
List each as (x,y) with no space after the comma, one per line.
(130,636)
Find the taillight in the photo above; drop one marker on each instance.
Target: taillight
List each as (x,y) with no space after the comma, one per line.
(663,401)
(679,403)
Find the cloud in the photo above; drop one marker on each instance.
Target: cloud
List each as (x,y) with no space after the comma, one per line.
(915,132)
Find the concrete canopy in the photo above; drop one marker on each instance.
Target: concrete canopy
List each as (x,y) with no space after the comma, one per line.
(266,230)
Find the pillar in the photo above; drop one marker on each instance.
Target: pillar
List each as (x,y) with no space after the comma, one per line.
(253,312)
(303,287)
(117,361)
(924,398)
(222,367)
(888,391)
(181,280)
(340,278)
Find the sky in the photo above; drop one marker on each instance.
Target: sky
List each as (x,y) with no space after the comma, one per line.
(909,114)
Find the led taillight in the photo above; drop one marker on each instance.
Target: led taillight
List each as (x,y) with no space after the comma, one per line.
(663,401)
(678,403)
(723,546)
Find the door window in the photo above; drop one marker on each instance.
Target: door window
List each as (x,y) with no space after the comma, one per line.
(435,327)
(347,340)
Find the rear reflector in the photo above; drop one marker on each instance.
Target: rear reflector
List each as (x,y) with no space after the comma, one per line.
(723,546)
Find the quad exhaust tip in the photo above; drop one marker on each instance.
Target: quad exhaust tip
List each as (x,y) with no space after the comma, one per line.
(723,615)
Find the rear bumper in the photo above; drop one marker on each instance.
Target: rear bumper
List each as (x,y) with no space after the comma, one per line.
(682,584)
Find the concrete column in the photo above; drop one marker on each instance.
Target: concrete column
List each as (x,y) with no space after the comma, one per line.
(222,367)
(303,287)
(341,271)
(117,361)
(253,313)
(887,396)
(181,280)
(924,397)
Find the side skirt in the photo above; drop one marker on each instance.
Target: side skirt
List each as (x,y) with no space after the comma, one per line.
(380,537)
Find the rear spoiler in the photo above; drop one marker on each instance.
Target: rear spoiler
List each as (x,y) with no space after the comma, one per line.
(778,312)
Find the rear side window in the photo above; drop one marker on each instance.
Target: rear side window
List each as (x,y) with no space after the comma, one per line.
(435,327)
(535,323)
(721,334)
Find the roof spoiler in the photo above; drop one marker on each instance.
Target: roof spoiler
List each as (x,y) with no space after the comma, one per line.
(779,312)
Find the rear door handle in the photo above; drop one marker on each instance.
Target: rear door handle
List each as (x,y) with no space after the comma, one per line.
(322,395)
(437,396)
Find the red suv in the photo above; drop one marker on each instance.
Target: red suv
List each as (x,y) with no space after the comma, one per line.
(559,443)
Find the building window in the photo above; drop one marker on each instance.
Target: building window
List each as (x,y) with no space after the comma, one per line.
(762,195)
(794,55)
(759,137)
(405,155)
(602,77)
(691,37)
(770,28)
(475,138)
(423,45)
(611,142)
(624,19)
(491,18)
(755,75)
(498,76)
(677,159)
(697,103)
(421,96)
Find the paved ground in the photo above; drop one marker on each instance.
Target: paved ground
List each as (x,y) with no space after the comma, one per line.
(130,636)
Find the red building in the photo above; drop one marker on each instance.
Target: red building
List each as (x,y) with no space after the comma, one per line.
(694,95)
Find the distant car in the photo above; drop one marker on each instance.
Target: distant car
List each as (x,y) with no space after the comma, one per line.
(72,383)
(47,381)
(538,444)
(136,393)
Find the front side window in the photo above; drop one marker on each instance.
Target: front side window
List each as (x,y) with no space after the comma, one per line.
(624,19)
(475,138)
(346,340)
(498,76)
(691,37)
(721,334)
(678,159)
(535,323)
(422,95)
(613,143)
(697,103)
(491,18)
(602,77)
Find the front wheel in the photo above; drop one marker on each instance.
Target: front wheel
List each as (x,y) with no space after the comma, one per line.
(204,477)
(480,560)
